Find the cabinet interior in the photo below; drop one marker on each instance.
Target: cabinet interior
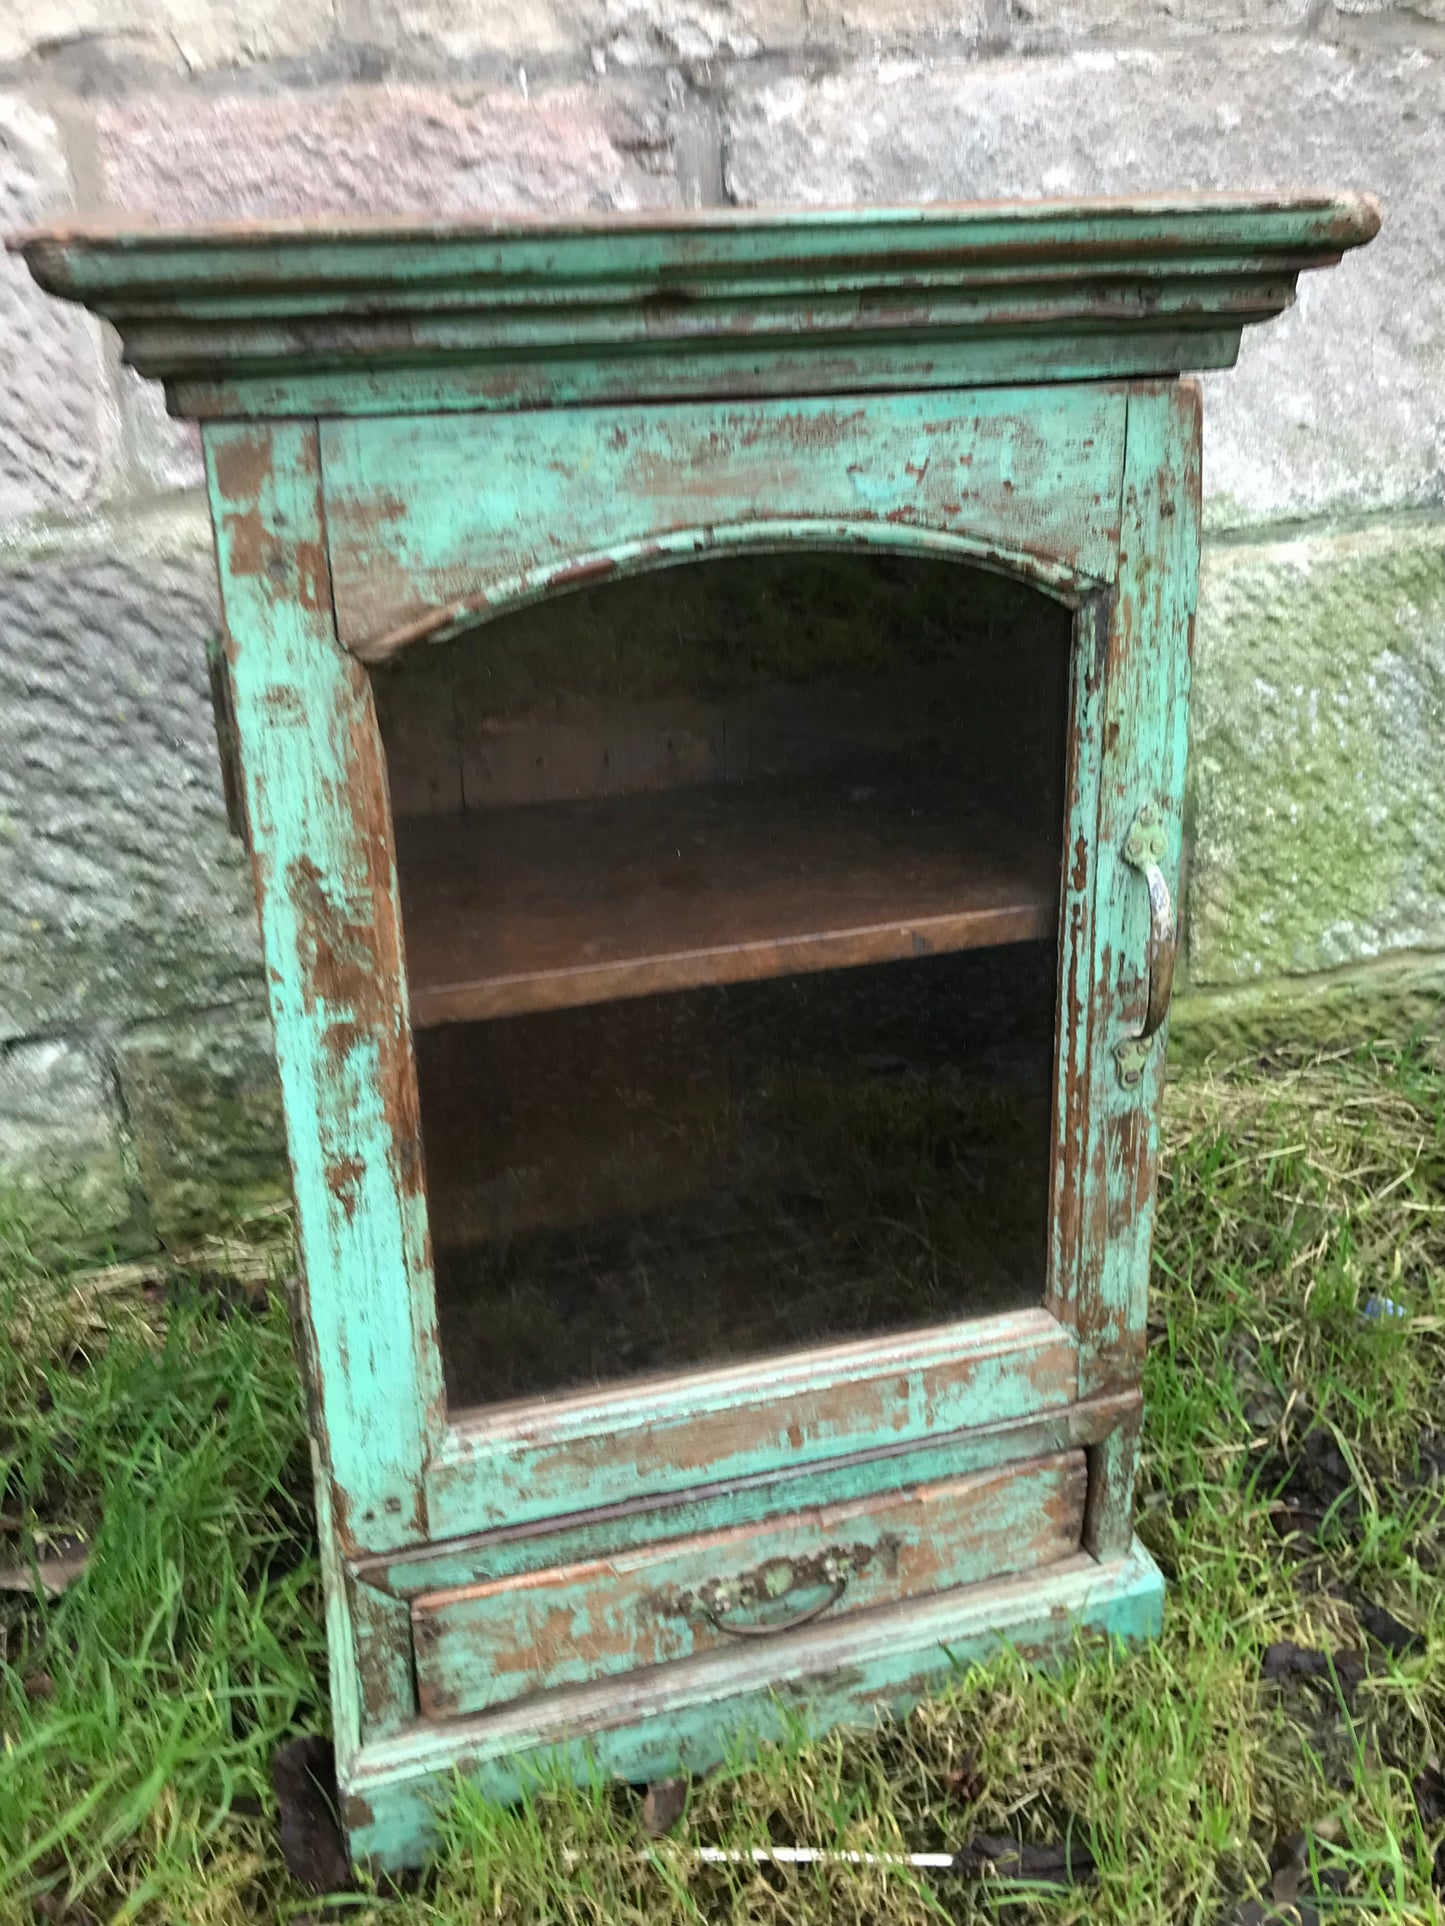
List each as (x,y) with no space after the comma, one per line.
(729,897)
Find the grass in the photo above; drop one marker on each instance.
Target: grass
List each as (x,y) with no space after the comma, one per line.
(140,1709)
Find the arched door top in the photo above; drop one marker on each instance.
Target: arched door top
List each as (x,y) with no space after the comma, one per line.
(432,531)
(678,547)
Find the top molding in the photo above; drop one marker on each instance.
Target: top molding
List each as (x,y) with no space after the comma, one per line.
(357,317)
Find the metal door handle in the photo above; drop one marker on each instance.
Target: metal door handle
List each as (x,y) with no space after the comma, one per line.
(1144,851)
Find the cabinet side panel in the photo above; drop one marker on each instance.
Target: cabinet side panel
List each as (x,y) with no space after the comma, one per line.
(321,844)
(1145,740)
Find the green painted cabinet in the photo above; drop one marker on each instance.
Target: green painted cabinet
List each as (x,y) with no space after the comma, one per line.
(710,697)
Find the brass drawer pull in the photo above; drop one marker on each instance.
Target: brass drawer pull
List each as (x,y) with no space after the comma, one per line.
(713,1615)
(1144,850)
(716,1601)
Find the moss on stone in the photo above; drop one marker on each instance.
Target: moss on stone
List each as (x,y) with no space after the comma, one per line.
(65,1182)
(1316,808)
(203,1115)
(1395,998)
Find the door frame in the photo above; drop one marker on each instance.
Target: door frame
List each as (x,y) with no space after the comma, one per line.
(403,1471)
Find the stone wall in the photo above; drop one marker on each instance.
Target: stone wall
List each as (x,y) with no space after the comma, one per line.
(137,1099)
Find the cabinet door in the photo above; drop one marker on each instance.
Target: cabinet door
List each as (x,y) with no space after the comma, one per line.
(458,517)
(732,900)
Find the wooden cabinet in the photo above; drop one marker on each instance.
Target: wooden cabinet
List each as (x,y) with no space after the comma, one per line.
(710,701)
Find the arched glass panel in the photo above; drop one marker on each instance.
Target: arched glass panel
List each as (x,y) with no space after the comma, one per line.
(730,897)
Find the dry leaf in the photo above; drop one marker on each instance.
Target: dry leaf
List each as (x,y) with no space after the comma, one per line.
(303,1772)
(47,1576)
(663,1806)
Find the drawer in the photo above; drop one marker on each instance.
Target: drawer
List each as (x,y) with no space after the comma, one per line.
(482,1645)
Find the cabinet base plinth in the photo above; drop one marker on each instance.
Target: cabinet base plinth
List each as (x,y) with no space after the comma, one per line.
(685,1718)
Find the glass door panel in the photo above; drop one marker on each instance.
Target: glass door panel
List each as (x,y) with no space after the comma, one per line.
(730,901)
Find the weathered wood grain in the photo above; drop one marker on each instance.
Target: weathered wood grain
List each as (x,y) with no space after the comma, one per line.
(567,904)
(381,1636)
(481,1557)
(688,1717)
(267,317)
(509,1463)
(847,364)
(1113,1463)
(1145,733)
(433,521)
(320,838)
(485,1644)
(1075,1115)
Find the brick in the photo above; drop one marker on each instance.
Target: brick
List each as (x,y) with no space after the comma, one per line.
(203,1111)
(60,1151)
(381,150)
(57,423)
(1338,405)
(122,893)
(1317,813)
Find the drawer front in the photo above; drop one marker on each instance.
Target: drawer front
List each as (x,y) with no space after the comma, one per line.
(482,1645)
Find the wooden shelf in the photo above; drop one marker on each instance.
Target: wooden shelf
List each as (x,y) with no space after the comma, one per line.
(551,906)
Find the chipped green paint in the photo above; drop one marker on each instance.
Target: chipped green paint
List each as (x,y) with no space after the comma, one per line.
(480,1646)
(690,1718)
(481,1557)
(666,1435)
(429,520)
(449,418)
(326,891)
(417,317)
(1146,712)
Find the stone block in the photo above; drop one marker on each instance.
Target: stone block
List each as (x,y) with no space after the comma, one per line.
(122,892)
(430,36)
(181,35)
(1389,999)
(1036,24)
(57,421)
(382,150)
(164,454)
(435,35)
(203,1112)
(1317,810)
(1339,405)
(1408,10)
(649,33)
(915,22)
(61,1162)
